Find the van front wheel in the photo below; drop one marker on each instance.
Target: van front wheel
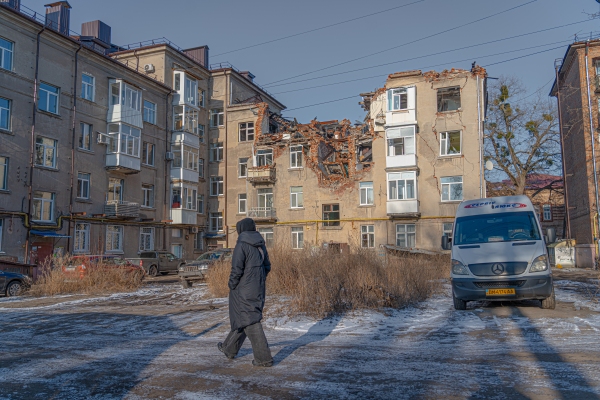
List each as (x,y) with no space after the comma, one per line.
(458,303)
(549,303)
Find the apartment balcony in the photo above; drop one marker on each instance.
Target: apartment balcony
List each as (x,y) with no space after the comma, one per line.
(262,214)
(123,163)
(181,216)
(184,174)
(264,174)
(403,208)
(121,209)
(408,160)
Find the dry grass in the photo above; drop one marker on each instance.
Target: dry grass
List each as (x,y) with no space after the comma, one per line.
(98,279)
(330,283)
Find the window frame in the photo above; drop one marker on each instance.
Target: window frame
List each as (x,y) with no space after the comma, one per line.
(3,51)
(405,232)
(217,117)
(202,132)
(404,186)
(149,113)
(4,165)
(247,129)
(115,183)
(297,237)
(41,207)
(45,149)
(127,140)
(392,95)
(442,101)
(88,90)
(200,206)
(80,234)
(268,236)
(48,94)
(331,211)
(147,196)
(369,231)
(110,231)
(449,190)
(6,111)
(549,209)
(445,143)
(296,198)
(200,168)
(146,153)
(84,185)
(402,135)
(199,241)
(242,203)
(215,217)
(148,234)
(243,167)
(364,187)
(264,157)
(296,157)
(216,152)
(216,182)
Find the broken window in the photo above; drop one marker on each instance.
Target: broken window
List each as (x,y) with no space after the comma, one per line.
(448,99)
(366,194)
(402,186)
(246,131)
(365,153)
(450,143)
(264,157)
(397,99)
(296,157)
(331,212)
(401,141)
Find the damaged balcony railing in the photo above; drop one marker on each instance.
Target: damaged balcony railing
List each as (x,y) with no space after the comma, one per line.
(121,209)
(264,174)
(262,213)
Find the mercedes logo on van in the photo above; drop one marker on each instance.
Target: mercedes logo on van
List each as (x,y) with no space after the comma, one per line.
(497,269)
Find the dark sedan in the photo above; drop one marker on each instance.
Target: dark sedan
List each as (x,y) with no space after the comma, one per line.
(13,283)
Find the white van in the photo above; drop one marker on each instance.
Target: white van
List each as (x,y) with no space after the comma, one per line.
(499,253)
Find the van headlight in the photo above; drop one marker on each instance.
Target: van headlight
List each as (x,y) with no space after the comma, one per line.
(458,268)
(539,264)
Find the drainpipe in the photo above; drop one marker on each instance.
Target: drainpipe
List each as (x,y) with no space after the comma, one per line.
(73,141)
(567,232)
(479,134)
(32,145)
(167,197)
(225,151)
(592,134)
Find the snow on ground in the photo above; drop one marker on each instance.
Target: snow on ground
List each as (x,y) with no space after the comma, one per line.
(160,342)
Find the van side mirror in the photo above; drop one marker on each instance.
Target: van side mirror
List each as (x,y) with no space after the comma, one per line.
(446,242)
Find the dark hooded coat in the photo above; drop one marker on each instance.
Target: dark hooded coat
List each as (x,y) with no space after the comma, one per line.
(249,268)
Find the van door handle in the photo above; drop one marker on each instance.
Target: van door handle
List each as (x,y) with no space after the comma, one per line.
(523,244)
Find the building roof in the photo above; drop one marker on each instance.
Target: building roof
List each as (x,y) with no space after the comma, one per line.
(533,182)
(568,59)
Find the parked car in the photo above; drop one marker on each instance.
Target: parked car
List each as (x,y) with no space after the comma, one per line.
(13,283)
(80,265)
(157,262)
(197,269)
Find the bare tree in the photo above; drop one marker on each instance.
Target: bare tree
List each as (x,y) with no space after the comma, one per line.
(521,133)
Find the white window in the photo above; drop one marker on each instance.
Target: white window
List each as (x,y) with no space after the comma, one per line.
(243,167)
(146,239)
(216,152)
(448,99)
(148,196)
(366,194)
(87,87)
(201,168)
(188,195)
(148,153)
(264,157)
(83,185)
(242,203)
(450,143)
(185,118)
(199,241)
(296,197)
(201,132)
(43,206)
(81,238)
(296,157)
(114,93)
(216,117)
(190,91)
(267,234)
(186,157)
(405,235)
(397,99)
(402,186)
(246,133)
(297,237)
(452,188)
(200,204)
(131,97)
(5,114)
(6,54)
(331,212)
(216,222)
(3,173)
(367,236)
(125,139)
(265,198)
(547,212)
(149,112)
(202,100)
(400,141)
(216,185)
(85,136)
(114,238)
(48,98)
(115,189)
(45,152)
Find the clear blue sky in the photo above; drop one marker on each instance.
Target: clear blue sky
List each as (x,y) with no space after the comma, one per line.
(227,25)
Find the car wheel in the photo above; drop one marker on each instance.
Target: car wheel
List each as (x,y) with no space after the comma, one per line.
(186,284)
(14,289)
(153,271)
(458,303)
(549,303)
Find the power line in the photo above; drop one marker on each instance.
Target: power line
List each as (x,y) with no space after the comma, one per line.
(431,54)
(318,29)
(404,44)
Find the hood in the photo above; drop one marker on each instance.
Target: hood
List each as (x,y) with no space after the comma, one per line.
(244,225)
(253,238)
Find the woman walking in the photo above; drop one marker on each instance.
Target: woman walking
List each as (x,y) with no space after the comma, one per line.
(249,268)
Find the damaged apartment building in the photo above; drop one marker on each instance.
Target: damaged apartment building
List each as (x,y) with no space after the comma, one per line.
(394,181)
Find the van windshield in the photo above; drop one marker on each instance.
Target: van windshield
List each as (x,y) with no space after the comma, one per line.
(505,227)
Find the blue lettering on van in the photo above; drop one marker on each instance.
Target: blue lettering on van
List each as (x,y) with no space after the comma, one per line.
(483,204)
(510,205)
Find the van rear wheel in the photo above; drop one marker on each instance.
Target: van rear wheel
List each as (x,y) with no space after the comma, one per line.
(549,303)
(458,303)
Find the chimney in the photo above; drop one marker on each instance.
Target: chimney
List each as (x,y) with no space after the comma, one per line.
(200,54)
(58,16)
(15,4)
(248,75)
(97,30)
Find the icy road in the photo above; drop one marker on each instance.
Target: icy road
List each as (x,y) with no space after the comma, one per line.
(160,342)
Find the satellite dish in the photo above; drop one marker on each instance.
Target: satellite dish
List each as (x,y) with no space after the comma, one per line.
(490,165)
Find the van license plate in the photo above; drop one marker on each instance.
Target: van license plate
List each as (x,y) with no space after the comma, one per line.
(500,292)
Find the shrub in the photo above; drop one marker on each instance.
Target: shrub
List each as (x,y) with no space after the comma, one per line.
(327,282)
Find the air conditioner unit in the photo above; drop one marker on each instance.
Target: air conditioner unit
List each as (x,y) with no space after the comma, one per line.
(169,156)
(103,138)
(149,68)
(194,229)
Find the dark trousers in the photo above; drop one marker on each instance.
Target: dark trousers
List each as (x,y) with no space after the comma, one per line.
(258,340)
